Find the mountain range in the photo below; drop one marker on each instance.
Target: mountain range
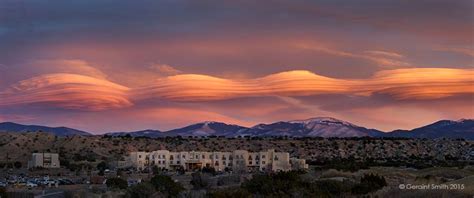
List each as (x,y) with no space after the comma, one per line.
(59,131)
(314,127)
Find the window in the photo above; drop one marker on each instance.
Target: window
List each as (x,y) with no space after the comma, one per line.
(203,156)
(263,162)
(263,156)
(210,157)
(139,156)
(171,157)
(276,158)
(250,162)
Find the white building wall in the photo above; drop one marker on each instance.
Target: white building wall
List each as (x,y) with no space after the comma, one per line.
(44,160)
(239,160)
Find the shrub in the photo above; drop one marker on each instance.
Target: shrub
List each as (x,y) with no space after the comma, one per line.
(230,193)
(281,183)
(369,183)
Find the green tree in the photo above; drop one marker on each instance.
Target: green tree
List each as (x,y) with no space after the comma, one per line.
(277,184)
(210,170)
(166,185)
(116,183)
(199,181)
(102,165)
(156,170)
(143,190)
(17,164)
(3,192)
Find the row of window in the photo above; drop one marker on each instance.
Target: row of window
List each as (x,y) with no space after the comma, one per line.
(204,157)
(216,163)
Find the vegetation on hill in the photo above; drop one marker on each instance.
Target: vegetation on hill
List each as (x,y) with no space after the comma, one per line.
(292,184)
(79,152)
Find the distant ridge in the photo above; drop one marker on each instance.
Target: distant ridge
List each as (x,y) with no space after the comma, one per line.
(58,131)
(313,127)
(144,133)
(207,128)
(463,128)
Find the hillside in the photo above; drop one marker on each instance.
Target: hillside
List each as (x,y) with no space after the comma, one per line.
(463,128)
(18,147)
(59,131)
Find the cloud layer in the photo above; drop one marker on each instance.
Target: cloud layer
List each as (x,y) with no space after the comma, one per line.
(68,91)
(72,91)
(402,84)
(122,65)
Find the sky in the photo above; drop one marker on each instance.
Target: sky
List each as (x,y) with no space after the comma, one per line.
(115,65)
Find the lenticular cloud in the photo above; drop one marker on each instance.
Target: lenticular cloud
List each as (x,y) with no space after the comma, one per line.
(72,91)
(69,91)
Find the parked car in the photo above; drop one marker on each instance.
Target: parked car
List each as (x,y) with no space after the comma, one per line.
(30,184)
(65,182)
(3,184)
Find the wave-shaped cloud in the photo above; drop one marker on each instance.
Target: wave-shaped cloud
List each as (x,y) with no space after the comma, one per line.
(73,91)
(416,83)
(191,87)
(423,83)
(69,91)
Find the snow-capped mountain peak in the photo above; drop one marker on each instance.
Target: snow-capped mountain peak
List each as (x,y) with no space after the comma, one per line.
(324,120)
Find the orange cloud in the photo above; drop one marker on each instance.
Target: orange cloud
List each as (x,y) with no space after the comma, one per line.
(402,84)
(72,91)
(422,83)
(192,87)
(69,91)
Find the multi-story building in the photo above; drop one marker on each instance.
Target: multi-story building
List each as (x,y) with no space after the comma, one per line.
(239,160)
(44,160)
